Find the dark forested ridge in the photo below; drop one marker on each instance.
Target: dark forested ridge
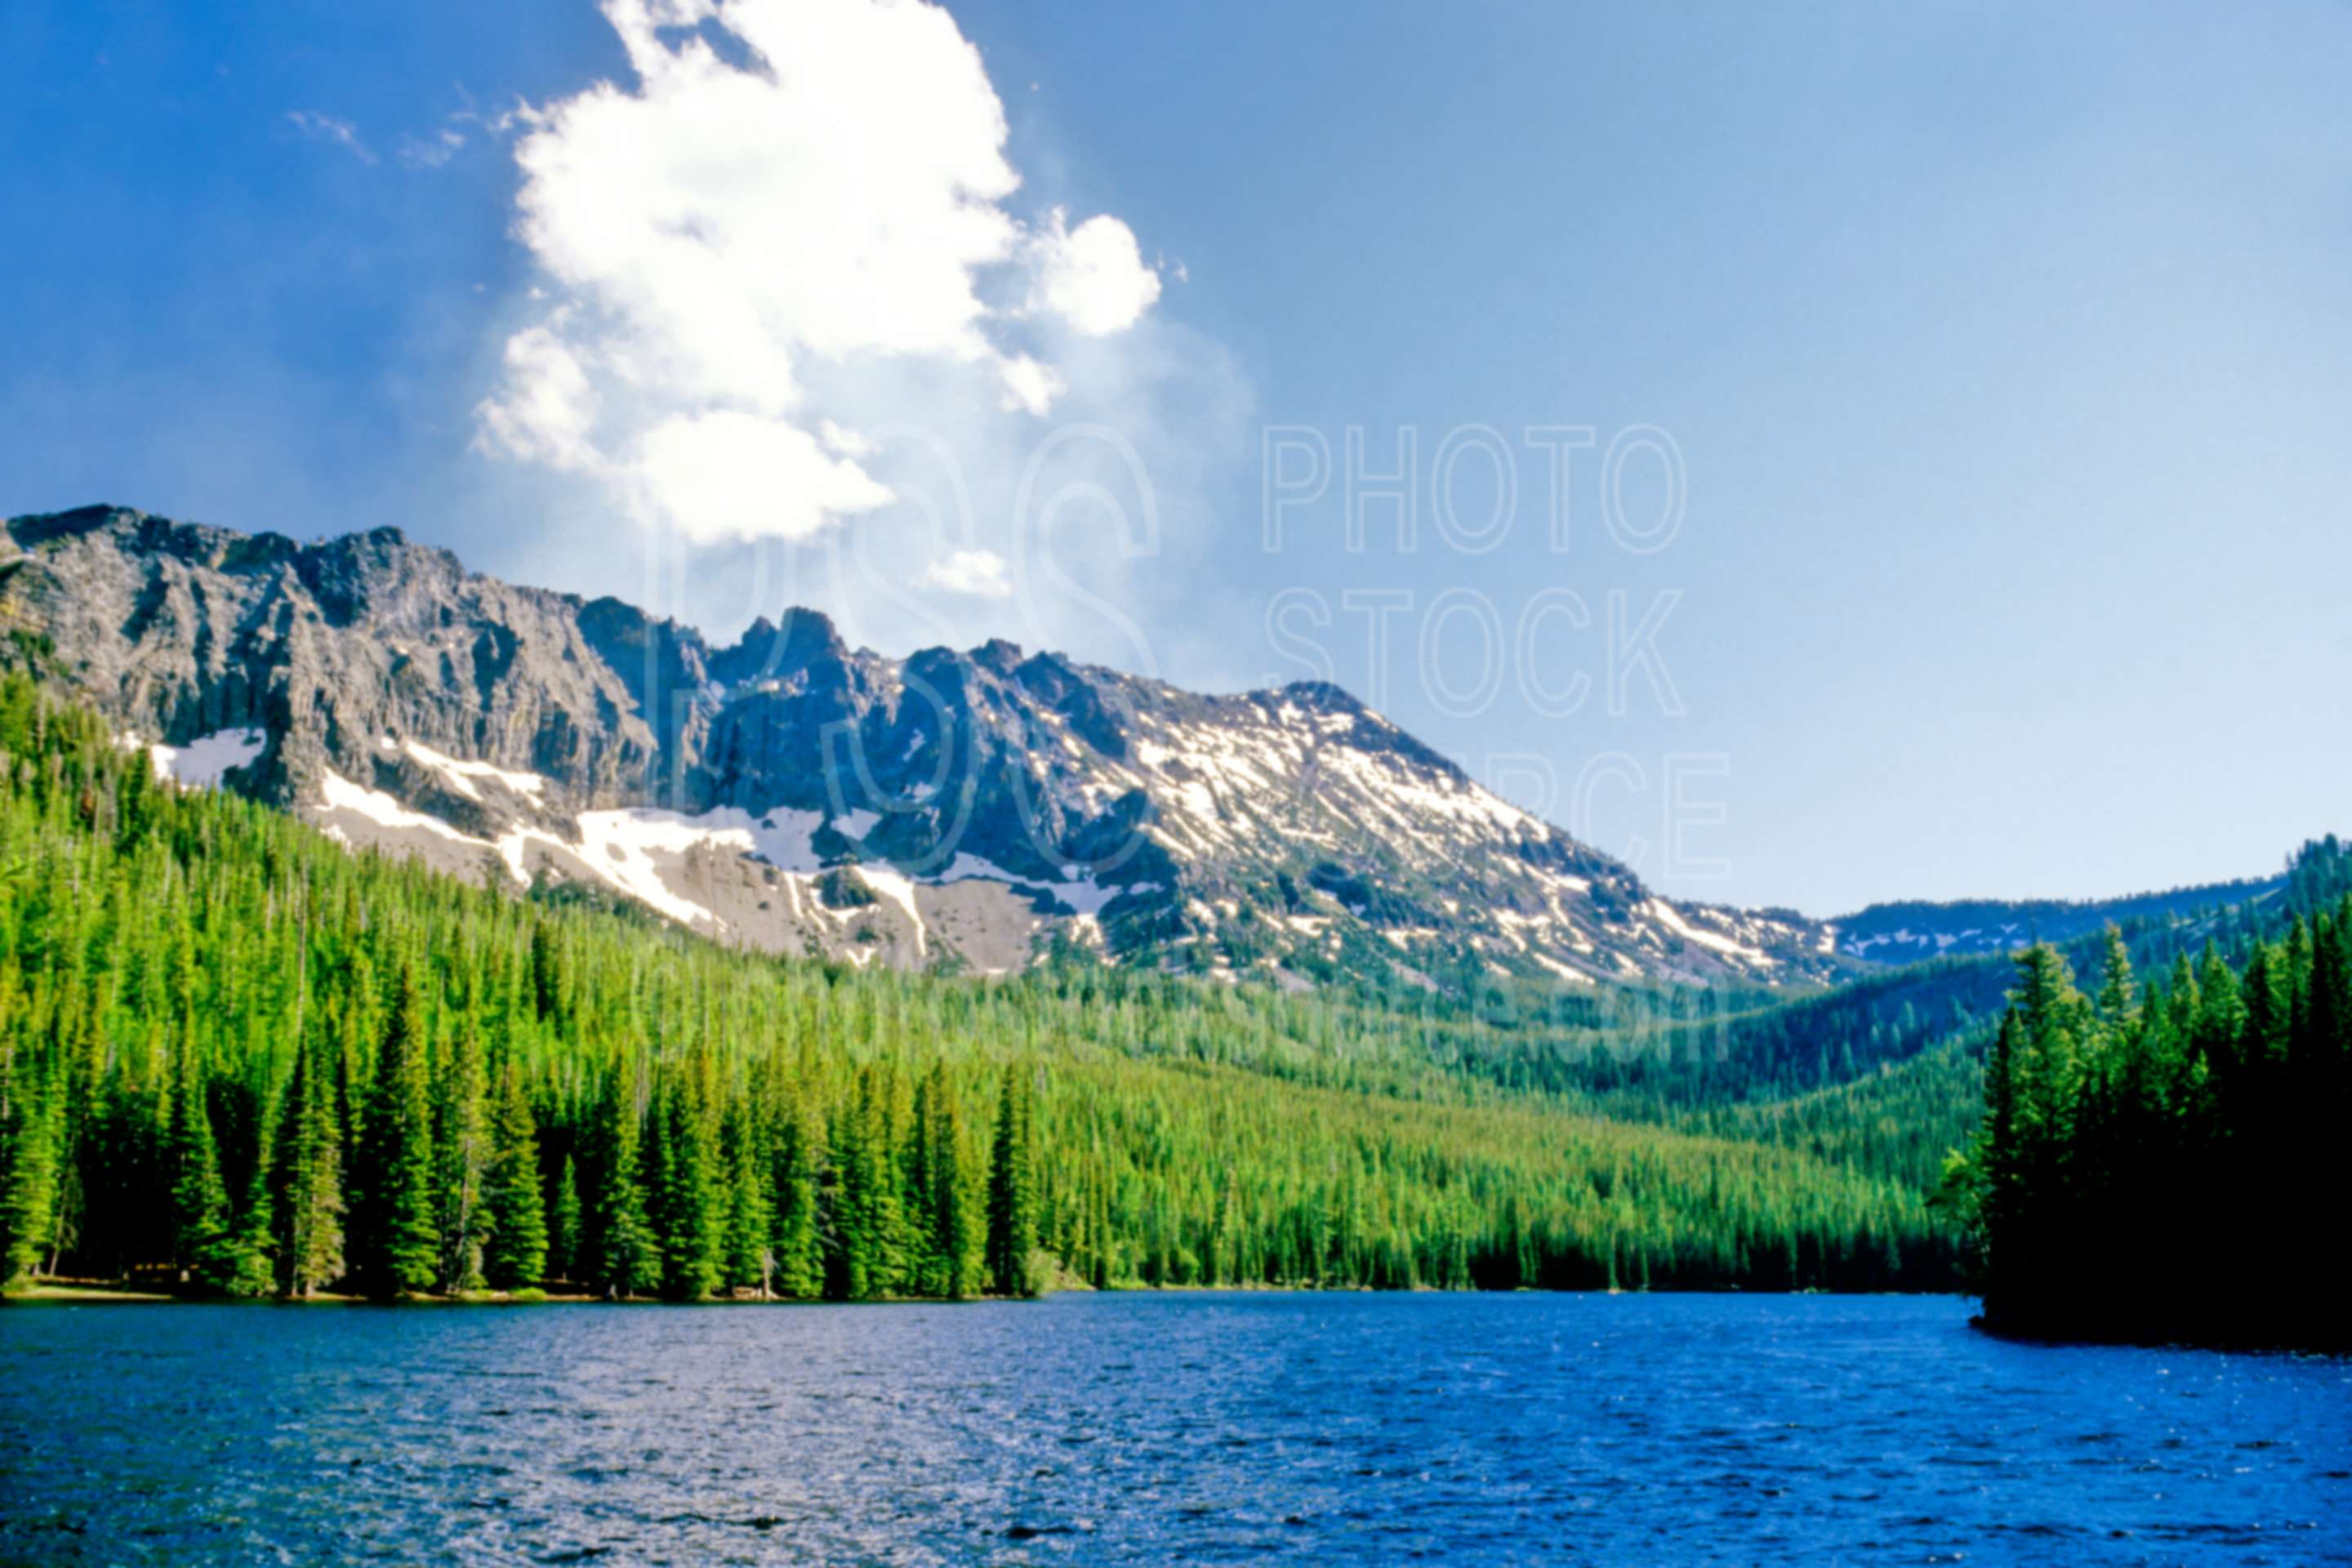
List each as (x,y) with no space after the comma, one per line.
(236,1059)
(1914,930)
(2161,1165)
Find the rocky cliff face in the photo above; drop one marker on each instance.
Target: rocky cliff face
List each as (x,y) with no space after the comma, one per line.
(958,809)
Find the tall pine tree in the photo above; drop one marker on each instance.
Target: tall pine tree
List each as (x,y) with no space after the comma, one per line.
(399,1243)
(515,1254)
(310,1196)
(1012,1193)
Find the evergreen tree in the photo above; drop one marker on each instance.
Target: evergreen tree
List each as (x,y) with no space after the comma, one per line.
(951,1208)
(1012,1193)
(621,1257)
(31,1130)
(869,1216)
(399,1246)
(564,1224)
(250,1266)
(2119,992)
(687,1212)
(463,1149)
(924,1266)
(800,1243)
(750,1210)
(310,1200)
(846,1206)
(200,1217)
(515,1255)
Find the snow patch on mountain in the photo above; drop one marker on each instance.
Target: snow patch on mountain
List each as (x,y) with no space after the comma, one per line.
(200,762)
(462,776)
(337,794)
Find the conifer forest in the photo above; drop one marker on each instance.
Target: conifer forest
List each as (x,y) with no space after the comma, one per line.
(238,1060)
(2122,1125)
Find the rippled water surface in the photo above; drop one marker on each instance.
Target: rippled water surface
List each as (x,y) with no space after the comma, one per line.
(1152,1429)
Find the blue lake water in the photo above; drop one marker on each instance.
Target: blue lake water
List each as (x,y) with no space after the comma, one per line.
(1152,1429)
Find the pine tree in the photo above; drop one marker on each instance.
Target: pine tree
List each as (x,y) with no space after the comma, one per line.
(952,1206)
(31,1130)
(310,1204)
(462,1148)
(2221,1021)
(800,1241)
(870,1215)
(2269,1013)
(548,983)
(623,1260)
(845,1207)
(750,1209)
(686,1210)
(2119,994)
(199,1209)
(925,1265)
(1012,1194)
(250,1266)
(399,1246)
(563,1224)
(515,1254)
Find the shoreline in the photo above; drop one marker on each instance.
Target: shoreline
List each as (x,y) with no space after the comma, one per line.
(81,1292)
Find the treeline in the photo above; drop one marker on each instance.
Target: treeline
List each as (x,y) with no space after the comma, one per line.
(1885,1075)
(236,1059)
(2161,1166)
(1901,1122)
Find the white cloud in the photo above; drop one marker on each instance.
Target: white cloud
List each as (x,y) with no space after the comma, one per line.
(429,152)
(550,406)
(847,443)
(977,574)
(1093,275)
(1029,386)
(335,132)
(730,237)
(733,475)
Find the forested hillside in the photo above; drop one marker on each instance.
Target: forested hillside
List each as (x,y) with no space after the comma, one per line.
(1886,1074)
(236,1059)
(2163,1165)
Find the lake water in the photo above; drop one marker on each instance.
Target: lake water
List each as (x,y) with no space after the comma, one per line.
(1348,1430)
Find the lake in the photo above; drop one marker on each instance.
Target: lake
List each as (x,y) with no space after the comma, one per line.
(1152,1429)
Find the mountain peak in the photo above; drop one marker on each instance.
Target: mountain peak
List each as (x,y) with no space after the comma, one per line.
(1324,696)
(1001,804)
(997,655)
(768,651)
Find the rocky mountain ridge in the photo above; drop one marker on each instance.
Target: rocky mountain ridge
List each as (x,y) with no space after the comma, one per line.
(972,809)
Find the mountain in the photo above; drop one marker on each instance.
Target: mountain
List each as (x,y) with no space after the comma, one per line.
(970,810)
(1912,931)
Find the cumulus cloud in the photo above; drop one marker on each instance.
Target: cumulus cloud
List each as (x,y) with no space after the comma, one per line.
(976,574)
(1092,276)
(548,406)
(790,194)
(733,475)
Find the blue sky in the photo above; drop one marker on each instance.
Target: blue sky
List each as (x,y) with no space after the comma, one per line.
(2005,354)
